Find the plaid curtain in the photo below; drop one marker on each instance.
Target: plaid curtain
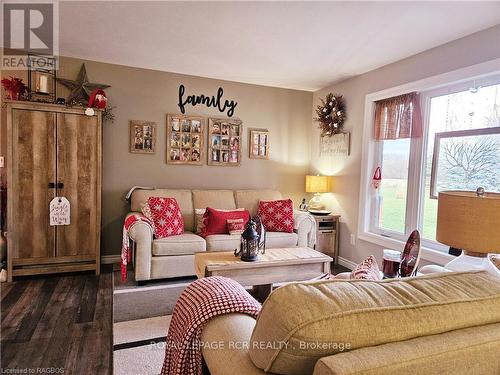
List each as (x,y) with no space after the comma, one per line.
(398,117)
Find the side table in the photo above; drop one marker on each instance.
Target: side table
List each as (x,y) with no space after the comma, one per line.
(327,235)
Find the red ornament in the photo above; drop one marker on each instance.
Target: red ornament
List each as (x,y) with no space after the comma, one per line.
(97,99)
(377,178)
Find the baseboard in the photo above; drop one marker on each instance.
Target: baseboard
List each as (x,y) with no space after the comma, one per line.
(347,263)
(110,259)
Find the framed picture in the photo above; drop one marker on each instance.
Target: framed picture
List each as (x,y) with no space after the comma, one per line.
(224,142)
(142,137)
(259,144)
(185,135)
(465,160)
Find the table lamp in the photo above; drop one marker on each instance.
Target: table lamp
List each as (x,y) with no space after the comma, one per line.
(470,221)
(317,185)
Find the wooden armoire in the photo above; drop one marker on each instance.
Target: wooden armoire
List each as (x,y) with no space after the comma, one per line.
(52,151)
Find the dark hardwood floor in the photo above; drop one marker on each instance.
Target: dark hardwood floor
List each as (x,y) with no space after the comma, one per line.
(63,323)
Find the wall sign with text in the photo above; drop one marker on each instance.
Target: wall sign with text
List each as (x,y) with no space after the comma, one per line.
(336,145)
(210,101)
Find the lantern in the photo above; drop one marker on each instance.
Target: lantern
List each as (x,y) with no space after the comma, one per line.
(252,241)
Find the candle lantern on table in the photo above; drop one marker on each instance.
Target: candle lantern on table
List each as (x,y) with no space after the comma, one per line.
(252,241)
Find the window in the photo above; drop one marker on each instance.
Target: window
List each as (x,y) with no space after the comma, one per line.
(459,150)
(394,186)
(467,154)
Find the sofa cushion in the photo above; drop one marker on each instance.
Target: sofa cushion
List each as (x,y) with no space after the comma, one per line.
(223,242)
(183,198)
(471,350)
(220,199)
(182,244)
(250,199)
(367,313)
(276,240)
(228,242)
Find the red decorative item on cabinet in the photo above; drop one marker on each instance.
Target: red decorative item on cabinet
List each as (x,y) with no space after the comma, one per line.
(15,88)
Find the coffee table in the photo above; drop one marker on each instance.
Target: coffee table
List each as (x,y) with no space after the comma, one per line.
(275,266)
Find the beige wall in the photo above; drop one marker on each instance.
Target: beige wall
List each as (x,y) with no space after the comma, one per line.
(149,95)
(473,49)
(140,94)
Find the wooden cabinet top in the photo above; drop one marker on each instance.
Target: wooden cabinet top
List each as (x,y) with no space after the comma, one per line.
(50,107)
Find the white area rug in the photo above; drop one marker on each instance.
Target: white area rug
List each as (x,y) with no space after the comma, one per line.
(138,346)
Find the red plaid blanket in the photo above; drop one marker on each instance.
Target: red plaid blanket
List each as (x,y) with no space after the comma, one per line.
(201,300)
(126,253)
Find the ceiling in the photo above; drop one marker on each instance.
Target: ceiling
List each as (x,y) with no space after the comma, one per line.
(299,45)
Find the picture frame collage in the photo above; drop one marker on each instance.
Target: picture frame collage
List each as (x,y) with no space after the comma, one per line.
(259,144)
(142,137)
(224,147)
(185,139)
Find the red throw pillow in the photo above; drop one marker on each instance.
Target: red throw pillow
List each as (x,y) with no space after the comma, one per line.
(277,216)
(216,221)
(167,218)
(235,226)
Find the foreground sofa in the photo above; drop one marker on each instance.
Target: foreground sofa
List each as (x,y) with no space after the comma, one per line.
(174,256)
(446,323)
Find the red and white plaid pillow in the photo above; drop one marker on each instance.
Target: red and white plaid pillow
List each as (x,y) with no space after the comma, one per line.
(277,216)
(166,215)
(367,270)
(235,226)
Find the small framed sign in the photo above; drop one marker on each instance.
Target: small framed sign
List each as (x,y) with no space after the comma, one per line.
(142,137)
(335,145)
(259,144)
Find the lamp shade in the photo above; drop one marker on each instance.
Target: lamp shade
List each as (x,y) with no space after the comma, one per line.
(318,184)
(469,222)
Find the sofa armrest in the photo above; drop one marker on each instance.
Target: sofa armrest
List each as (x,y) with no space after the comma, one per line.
(141,233)
(305,227)
(226,340)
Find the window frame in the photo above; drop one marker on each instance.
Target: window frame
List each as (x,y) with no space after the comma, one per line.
(443,84)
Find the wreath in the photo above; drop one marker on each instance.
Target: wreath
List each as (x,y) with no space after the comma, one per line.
(331,115)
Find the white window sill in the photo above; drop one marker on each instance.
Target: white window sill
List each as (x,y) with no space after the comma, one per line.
(428,254)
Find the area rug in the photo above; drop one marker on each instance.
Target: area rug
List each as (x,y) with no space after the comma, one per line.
(141,319)
(131,302)
(141,316)
(139,346)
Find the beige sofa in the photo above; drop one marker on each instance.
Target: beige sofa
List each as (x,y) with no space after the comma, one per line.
(439,324)
(174,256)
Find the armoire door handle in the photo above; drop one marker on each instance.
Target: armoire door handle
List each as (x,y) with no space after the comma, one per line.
(52,185)
(60,185)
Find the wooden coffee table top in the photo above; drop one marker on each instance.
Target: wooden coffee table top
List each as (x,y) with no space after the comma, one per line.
(221,263)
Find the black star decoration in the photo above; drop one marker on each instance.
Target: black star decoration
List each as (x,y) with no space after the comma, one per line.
(81,88)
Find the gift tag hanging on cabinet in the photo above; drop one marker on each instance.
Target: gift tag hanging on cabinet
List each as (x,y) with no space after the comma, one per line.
(59,211)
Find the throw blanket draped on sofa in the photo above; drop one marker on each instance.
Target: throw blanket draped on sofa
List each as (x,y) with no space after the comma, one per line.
(202,300)
(126,256)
